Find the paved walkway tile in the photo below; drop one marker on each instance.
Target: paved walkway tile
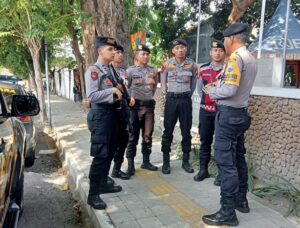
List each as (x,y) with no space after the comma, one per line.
(148,199)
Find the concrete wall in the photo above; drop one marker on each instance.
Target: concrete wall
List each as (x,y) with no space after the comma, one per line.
(272,140)
(64,82)
(269,73)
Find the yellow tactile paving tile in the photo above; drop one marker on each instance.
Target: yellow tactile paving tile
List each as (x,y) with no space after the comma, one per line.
(181,204)
(161,188)
(146,175)
(174,198)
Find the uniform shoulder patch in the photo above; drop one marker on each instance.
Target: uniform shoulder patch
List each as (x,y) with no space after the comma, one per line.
(232,72)
(94,75)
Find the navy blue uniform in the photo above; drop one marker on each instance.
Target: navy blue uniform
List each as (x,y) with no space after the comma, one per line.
(101,121)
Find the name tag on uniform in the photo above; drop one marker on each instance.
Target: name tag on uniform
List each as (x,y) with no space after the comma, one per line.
(185,73)
(136,77)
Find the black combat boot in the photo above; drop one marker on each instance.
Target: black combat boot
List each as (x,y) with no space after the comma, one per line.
(94,199)
(117,173)
(203,172)
(186,164)
(130,169)
(96,202)
(109,188)
(166,169)
(241,203)
(225,216)
(146,163)
(110,181)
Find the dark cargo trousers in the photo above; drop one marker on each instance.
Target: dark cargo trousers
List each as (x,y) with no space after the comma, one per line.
(141,118)
(122,140)
(206,131)
(230,126)
(101,121)
(178,106)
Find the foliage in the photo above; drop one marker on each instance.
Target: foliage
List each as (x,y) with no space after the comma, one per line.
(281,187)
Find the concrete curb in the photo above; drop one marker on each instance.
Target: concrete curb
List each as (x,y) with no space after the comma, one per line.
(80,183)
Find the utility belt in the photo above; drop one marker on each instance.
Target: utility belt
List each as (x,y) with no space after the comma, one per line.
(146,103)
(229,108)
(97,106)
(178,95)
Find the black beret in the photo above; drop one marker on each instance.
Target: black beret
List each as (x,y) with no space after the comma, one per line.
(119,48)
(142,48)
(217,44)
(178,41)
(235,29)
(103,41)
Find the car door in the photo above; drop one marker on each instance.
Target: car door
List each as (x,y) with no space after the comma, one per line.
(8,156)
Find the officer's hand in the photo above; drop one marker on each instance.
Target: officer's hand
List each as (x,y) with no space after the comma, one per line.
(117,92)
(86,104)
(207,88)
(132,102)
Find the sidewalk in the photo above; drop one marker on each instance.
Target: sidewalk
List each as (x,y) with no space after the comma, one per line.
(149,199)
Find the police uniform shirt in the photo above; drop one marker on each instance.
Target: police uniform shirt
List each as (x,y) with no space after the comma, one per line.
(142,82)
(121,72)
(179,77)
(237,80)
(98,86)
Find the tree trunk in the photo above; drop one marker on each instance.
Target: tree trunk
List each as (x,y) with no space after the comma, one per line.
(79,59)
(34,47)
(239,7)
(32,84)
(109,19)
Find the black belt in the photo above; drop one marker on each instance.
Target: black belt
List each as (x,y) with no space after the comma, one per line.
(148,103)
(103,106)
(229,108)
(179,95)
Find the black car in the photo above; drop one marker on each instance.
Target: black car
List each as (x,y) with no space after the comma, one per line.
(8,89)
(12,155)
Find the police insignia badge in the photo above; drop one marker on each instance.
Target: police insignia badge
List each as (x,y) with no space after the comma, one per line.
(230,68)
(171,65)
(111,41)
(186,66)
(94,75)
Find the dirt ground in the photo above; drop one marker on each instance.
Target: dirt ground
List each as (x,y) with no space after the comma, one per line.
(48,201)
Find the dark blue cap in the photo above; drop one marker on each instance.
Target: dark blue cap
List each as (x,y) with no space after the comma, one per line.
(177,42)
(217,44)
(119,48)
(103,41)
(235,29)
(142,48)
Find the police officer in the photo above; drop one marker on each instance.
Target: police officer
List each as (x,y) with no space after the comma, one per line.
(232,120)
(208,74)
(101,121)
(142,82)
(178,82)
(122,131)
